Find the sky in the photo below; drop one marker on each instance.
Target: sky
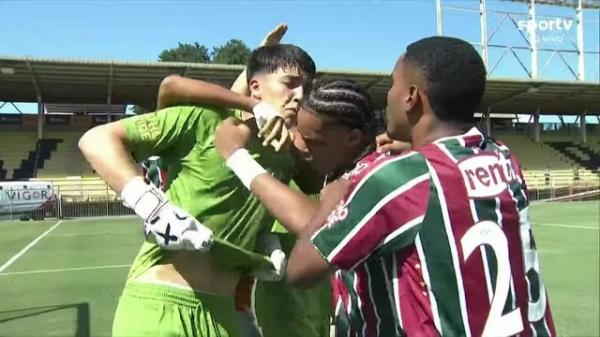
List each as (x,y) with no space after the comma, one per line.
(365,35)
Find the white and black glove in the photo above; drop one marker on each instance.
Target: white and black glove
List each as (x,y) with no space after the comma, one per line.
(165,224)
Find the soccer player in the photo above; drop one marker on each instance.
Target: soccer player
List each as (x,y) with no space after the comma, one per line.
(335,129)
(174,287)
(308,310)
(436,241)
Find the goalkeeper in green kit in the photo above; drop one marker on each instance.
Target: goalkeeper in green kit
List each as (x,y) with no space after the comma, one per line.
(180,284)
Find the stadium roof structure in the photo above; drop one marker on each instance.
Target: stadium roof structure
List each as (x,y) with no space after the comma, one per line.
(565,3)
(117,82)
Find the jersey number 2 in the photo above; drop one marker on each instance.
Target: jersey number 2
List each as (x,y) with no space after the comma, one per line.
(489,233)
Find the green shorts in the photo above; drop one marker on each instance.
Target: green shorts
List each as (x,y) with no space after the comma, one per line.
(162,311)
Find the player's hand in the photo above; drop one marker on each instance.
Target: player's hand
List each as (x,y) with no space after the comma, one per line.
(277,270)
(275,36)
(385,144)
(165,224)
(271,126)
(174,229)
(231,135)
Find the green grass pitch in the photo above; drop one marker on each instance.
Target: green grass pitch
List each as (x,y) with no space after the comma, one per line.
(68,282)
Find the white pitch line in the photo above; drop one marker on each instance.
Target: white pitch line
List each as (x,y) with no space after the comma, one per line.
(568,226)
(24,250)
(64,269)
(91,234)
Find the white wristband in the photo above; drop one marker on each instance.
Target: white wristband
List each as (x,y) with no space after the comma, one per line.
(244,166)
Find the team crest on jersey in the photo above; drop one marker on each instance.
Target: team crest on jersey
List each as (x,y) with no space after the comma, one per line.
(486,174)
(339,213)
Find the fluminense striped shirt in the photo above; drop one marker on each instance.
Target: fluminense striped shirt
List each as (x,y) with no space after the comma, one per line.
(436,242)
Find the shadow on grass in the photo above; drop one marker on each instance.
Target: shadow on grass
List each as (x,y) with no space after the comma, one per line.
(82,309)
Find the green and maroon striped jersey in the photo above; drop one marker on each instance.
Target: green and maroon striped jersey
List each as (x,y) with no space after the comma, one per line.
(155,172)
(436,242)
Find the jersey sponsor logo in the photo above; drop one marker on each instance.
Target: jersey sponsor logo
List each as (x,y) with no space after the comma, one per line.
(486,174)
(360,166)
(339,213)
(148,127)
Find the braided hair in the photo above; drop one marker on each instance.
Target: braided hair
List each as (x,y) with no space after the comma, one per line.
(342,102)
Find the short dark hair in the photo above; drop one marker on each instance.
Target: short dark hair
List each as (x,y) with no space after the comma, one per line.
(343,102)
(268,59)
(454,73)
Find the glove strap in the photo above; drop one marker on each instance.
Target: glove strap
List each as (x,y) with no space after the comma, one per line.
(144,199)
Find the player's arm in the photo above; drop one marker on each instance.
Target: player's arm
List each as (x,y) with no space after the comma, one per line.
(112,160)
(108,149)
(291,207)
(306,265)
(378,211)
(177,90)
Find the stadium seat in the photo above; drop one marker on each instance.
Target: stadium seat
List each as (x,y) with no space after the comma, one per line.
(82,189)
(67,159)
(16,146)
(570,146)
(535,156)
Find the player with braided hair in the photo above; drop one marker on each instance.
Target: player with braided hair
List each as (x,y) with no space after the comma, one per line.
(337,125)
(418,244)
(335,129)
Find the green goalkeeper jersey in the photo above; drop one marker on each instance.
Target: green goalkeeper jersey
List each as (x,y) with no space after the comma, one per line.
(199,182)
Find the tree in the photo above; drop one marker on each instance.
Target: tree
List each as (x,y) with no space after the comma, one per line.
(186,52)
(233,52)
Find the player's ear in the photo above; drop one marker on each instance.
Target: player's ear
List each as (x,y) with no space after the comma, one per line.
(255,88)
(414,104)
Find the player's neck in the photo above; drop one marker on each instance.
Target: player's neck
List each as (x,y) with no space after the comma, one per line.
(432,130)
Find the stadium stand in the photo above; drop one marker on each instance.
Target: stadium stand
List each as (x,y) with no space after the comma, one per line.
(67,159)
(535,156)
(540,179)
(81,189)
(56,155)
(585,155)
(16,148)
(557,161)
(77,106)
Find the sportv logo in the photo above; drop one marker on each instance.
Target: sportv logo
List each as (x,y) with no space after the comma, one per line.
(545,25)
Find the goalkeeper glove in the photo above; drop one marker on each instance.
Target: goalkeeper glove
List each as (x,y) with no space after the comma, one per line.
(165,224)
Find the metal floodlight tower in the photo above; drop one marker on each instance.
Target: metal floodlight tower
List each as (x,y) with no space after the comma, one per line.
(530,38)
